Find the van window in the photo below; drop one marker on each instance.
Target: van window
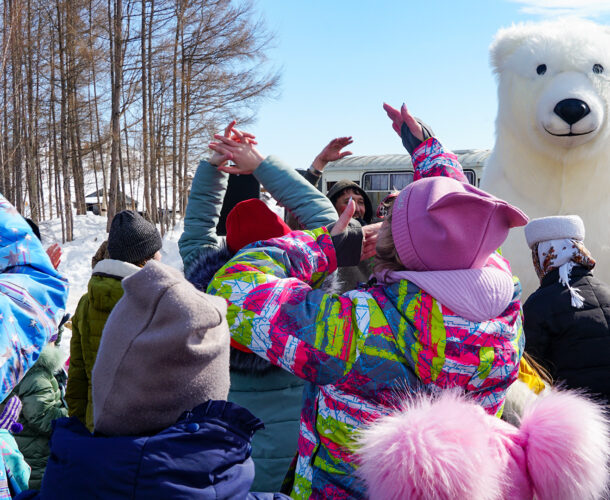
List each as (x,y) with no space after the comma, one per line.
(375,182)
(386,181)
(471,176)
(399,181)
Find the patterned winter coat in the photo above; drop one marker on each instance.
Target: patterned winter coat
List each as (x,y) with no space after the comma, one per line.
(103,292)
(32,297)
(360,350)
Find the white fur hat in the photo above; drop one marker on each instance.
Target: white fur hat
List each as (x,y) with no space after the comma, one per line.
(557,227)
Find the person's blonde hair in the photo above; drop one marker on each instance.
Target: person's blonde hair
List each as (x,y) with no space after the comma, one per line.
(387,258)
(540,370)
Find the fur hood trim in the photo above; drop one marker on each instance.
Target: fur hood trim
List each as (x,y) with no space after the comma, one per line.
(333,284)
(51,358)
(448,447)
(206,264)
(118,268)
(518,396)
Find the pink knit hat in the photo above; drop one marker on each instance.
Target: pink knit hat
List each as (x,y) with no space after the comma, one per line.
(439,223)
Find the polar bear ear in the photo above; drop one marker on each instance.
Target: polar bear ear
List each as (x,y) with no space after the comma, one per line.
(506,41)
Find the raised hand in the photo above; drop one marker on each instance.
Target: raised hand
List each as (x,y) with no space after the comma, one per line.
(238,148)
(54,253)
(403,116)
(369,232)
(344,218)
(220,159)
(332,152)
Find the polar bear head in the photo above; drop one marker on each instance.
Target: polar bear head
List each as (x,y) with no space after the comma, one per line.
(554,86)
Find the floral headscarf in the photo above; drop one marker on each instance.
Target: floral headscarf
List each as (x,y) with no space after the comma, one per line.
(562,254)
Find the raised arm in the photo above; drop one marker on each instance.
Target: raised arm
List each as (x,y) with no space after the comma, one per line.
(291,190)
(202,211)
(427,153)
(205,203)
(310,207)
(276,313)
(32,297)
(331,152)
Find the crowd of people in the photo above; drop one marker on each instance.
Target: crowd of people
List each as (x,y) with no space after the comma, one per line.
(321,355)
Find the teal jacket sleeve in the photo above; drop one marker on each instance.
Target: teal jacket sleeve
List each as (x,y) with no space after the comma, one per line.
(33,297)
(291,190)
(202,211)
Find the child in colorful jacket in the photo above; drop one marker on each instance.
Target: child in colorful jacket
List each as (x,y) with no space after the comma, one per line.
(32,302)
(445,311)
(32,297)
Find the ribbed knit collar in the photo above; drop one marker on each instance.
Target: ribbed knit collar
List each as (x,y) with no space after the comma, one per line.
(474,294)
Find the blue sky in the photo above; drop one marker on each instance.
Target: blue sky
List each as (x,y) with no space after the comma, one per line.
(341,59)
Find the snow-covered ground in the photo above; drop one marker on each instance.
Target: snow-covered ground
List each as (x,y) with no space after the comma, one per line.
(89,233)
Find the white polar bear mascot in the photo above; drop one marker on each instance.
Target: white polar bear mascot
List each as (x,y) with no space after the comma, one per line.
(552,151)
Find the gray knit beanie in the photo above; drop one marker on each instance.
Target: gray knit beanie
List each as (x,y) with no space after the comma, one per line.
(164,350)
(132,238)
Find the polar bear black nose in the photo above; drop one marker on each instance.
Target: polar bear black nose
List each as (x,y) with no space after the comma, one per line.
(571,110)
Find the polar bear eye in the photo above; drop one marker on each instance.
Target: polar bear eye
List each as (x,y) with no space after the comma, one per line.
(598,68)
(541,70)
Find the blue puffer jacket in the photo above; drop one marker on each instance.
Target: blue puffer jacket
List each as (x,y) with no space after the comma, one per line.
(204,455)
(32,297)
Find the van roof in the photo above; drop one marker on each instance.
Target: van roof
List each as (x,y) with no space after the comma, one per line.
(469,158)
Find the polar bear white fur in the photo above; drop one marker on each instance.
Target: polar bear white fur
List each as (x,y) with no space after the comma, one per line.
(552,150)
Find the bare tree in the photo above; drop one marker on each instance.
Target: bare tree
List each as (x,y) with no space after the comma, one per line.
(116,73)
(127,88)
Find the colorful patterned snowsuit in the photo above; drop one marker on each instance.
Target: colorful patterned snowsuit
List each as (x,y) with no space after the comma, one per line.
(361,350)
(32,297)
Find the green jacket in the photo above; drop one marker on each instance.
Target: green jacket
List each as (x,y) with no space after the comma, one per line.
(273,447)
(103,292)
(42,402)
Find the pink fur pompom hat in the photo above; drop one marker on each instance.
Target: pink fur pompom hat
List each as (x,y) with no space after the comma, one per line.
(447,447)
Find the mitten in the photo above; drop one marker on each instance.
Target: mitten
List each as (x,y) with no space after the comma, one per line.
(10,415)
(409,141)
(348,244)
